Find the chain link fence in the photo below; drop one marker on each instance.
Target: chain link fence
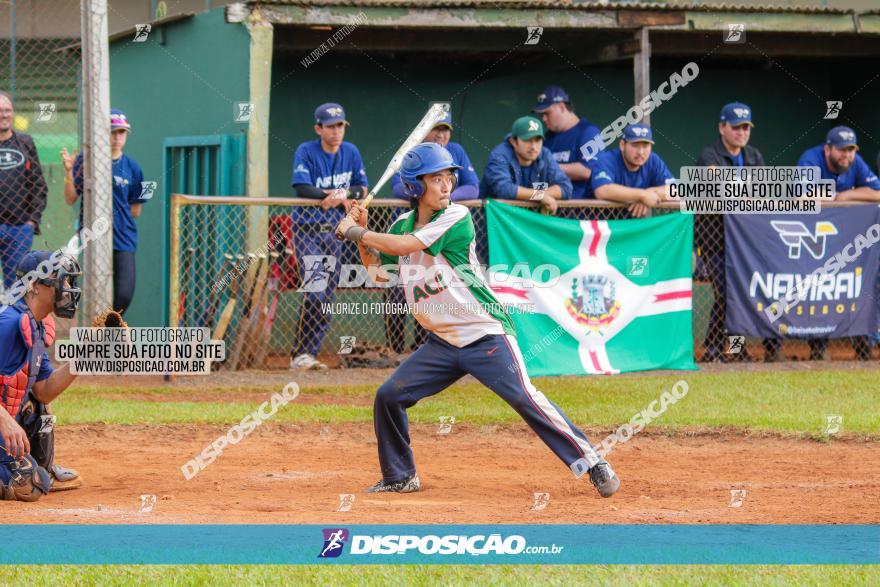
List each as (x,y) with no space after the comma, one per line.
(43,121)
(280,299)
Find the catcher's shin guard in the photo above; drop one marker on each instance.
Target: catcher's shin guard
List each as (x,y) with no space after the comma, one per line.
(39,425)
(24,480)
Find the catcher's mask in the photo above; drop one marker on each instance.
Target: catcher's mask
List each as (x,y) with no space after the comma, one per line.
(64,277)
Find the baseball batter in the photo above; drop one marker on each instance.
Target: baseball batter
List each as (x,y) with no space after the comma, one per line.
(27,438)
(478,340)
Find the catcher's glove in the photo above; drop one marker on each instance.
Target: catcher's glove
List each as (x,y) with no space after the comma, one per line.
(109,319)
(28,482)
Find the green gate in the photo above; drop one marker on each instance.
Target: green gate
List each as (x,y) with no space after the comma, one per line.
(213,165)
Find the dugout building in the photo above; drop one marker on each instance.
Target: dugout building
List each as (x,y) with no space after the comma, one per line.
(181,88)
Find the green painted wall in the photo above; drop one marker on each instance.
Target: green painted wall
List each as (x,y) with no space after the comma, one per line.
(187,85)
(383,110)
(788,104)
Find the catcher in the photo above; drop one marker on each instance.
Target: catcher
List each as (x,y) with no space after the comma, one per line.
(29,384)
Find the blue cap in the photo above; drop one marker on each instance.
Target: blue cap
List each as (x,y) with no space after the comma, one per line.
(638,133)
(736,113)
(841,137)
(550,96)
(118,120)
(329,113)
(446,120)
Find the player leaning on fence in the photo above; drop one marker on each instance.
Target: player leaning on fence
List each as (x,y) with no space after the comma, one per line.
(731,149)
(470,333)
(22,192)
(522,168)
(838,159)
(331,170)
(632,174)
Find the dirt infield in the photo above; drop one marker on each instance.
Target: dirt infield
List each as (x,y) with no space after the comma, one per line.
(295,474)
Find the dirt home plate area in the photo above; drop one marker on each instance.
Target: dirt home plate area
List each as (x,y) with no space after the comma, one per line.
(292,474)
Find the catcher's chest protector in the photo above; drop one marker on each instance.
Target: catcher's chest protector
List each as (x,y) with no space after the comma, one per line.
(37,336)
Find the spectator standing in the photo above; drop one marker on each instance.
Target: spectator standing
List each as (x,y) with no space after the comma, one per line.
(731,149)
(129,195)
(331,170)
(23,192)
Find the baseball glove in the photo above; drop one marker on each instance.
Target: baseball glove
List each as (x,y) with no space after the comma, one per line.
(109,319)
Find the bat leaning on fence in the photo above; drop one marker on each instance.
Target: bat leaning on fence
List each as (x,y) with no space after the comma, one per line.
(229,308)
(184,285)
(254,280)
(214,296)
(272,311)
(257,314)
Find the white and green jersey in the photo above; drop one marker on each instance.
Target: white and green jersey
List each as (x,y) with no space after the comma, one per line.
(443,283)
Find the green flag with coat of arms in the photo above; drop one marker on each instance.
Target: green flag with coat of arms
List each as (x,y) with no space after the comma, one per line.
(622,301)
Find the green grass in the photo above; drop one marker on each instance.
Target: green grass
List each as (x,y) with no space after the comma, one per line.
(417,575)
(787,402)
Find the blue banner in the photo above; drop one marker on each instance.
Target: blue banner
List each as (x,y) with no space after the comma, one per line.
(444,544)
(802,276)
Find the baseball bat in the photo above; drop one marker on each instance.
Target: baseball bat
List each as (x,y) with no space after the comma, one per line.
(187,270)
(251,295)
(265,332)
(229,308)
(207,318)
(434,114)
(257,310)
(284,257)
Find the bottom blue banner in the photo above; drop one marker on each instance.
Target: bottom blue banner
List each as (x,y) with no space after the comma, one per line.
(445,544)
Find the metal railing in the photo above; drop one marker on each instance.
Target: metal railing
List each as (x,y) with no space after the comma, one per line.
(222,263)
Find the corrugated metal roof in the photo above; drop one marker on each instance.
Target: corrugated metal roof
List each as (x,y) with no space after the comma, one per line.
(562,4)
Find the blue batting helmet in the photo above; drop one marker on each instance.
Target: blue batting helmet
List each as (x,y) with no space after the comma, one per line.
(421,160)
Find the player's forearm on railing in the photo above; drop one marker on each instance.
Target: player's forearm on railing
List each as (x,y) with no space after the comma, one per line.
(661,190)
(554,191)
(304,190)
(464,192)
(358,192)
(862,194)
(614,192)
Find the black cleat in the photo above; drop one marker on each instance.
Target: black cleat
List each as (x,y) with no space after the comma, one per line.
(408,485)
(604,479)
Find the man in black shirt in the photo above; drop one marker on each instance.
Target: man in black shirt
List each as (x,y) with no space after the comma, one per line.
(730,150)
(22,192)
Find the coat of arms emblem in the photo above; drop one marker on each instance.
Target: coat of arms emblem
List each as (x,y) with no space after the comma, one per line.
(593,302)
